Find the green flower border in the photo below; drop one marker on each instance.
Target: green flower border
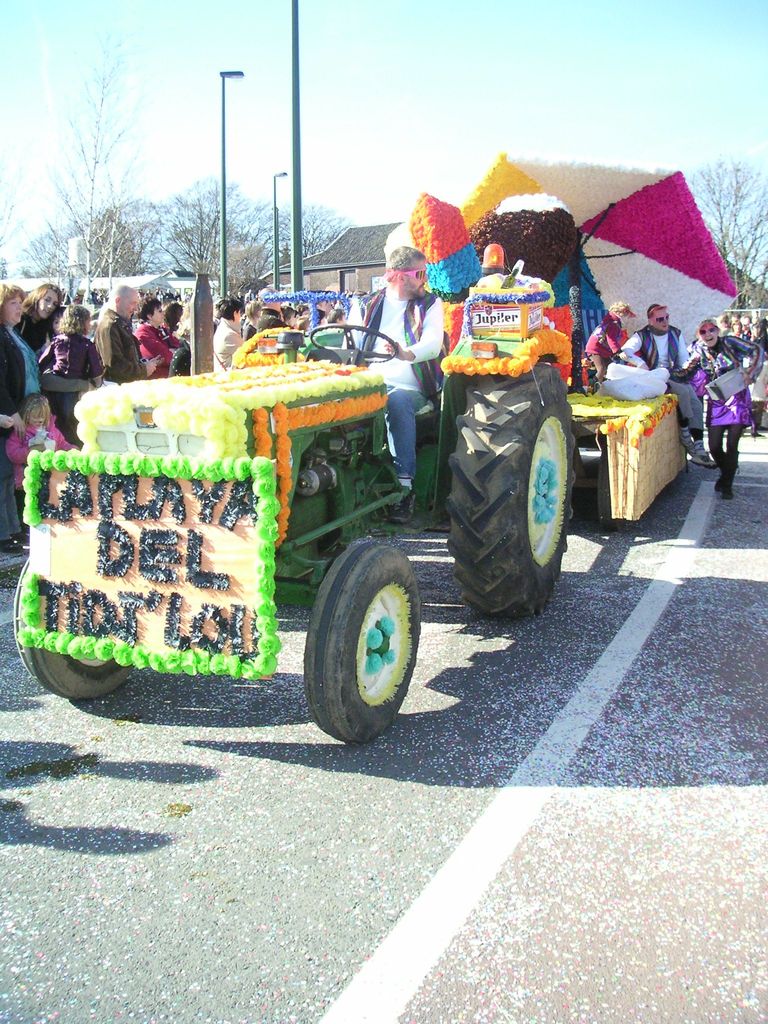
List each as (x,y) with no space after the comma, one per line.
(262,473)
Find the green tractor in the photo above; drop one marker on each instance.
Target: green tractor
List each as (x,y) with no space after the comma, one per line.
(200,504)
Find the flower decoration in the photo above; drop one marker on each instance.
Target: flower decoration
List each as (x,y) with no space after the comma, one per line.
(544,239)
(310,299)
(500,298)
(639,419)
(545,488)
(438,230)
(286,420)
(502,180)
(450,278)
(248,354)
(378,650)
(561,319)
(526,355)
(214,406)
(259,472)
(453,317)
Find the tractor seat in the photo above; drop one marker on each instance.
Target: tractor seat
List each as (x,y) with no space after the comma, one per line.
(428,421)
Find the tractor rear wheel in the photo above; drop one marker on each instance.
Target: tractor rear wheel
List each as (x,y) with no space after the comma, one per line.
(362,641)
(511,492)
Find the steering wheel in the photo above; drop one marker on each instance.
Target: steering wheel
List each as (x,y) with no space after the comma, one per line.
(358,356)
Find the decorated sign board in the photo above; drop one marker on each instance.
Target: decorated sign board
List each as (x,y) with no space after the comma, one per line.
(166,563)
(518,321)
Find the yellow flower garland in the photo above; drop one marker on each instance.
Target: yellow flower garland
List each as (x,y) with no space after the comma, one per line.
(639,419)
(248,354)
(543,343)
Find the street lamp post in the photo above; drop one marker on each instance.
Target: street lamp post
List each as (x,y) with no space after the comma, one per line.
(276,233)
(223,213)
(297,261)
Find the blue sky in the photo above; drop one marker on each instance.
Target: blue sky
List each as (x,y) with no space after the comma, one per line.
(396,99)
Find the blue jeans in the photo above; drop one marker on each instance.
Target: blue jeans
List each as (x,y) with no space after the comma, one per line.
(402,405)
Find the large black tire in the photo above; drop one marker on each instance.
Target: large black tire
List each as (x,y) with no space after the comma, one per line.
(508,536)
(369,593)
(62,675)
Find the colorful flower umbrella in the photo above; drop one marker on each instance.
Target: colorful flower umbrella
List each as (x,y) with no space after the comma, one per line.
(645,239)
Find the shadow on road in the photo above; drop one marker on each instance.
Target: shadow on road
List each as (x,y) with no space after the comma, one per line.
(25,764)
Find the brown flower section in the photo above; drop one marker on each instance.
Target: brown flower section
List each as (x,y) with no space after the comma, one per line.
(545,240)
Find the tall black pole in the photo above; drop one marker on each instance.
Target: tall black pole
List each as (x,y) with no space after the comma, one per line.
(297,261)
(574,302)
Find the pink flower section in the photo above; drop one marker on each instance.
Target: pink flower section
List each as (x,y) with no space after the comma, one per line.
(662,222)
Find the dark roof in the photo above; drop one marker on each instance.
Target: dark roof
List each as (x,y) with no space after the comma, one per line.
(355,247)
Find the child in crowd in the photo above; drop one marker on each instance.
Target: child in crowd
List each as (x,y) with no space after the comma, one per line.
(40,434)
(74,360)
(10,528)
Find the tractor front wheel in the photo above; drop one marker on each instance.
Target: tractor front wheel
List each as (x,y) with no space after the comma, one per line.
(362,641)
(67,677)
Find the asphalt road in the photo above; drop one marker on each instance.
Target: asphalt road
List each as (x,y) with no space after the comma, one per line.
(568,821)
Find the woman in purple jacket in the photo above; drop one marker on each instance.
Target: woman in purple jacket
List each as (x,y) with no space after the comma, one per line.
(73,358)
(726,419)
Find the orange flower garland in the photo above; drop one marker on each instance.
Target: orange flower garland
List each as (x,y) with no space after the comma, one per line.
(453,314)
(286,420)
(284,475)
(261,434)
(543,343)
(330,412)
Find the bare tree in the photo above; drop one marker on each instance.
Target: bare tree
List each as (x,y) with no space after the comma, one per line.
(96,158)
(190,232)
(7,193)
(46,254)
(733,198)
(319,227)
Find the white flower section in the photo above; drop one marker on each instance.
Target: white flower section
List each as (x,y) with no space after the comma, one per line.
(588,188)
(539,203)
(641,281)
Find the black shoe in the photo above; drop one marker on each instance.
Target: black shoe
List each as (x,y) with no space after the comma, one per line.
(726,492)
(10,547)
(719,484)
(402,512)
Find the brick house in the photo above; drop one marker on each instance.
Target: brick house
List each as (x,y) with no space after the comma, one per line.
(350,263)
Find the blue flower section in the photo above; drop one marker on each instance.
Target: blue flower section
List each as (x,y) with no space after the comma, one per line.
(590,295)
(545,492)
(455,272)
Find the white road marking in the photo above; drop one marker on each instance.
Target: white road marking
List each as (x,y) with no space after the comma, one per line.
(385,984)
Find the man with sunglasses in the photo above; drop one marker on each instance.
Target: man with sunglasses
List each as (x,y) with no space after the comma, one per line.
(413,318)
(660,344)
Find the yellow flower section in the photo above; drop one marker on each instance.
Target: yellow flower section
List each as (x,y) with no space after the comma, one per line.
(639,419)
(501,181)
(248,354)
(212,405)
(544,342)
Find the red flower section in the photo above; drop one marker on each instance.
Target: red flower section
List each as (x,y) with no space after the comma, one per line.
(437,228)
(561,316)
